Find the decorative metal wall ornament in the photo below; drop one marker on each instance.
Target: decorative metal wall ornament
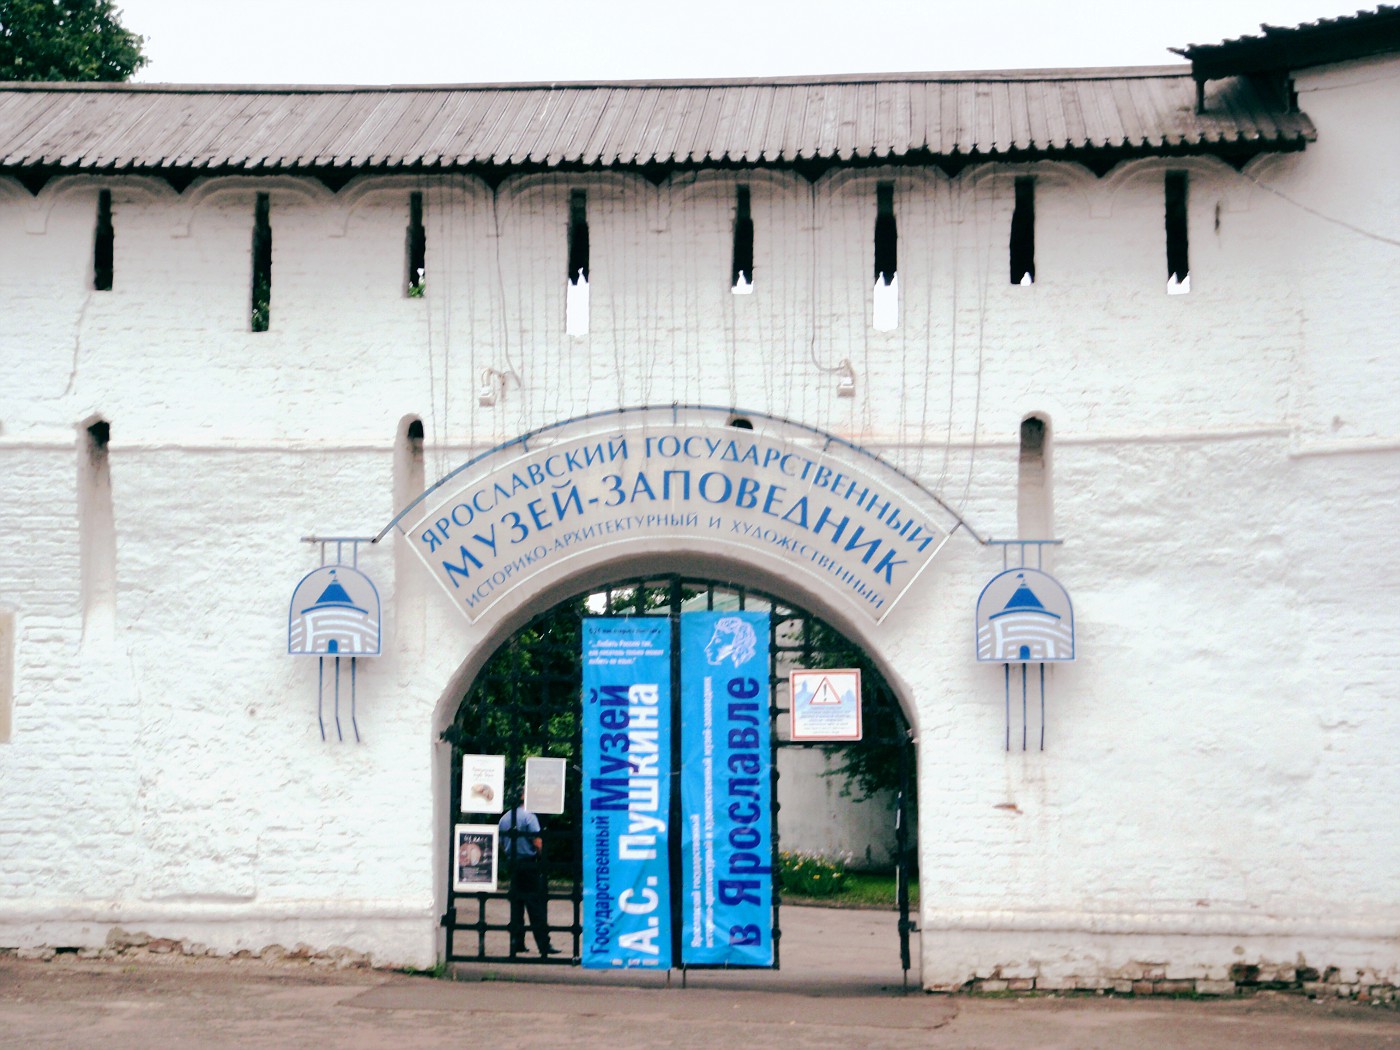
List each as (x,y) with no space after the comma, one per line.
(1024,616)
(335,614)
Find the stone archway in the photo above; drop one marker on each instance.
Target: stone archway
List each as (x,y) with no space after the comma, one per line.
(525,702)
(714,493)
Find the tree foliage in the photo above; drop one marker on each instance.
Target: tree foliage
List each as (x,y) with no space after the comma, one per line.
(66,40)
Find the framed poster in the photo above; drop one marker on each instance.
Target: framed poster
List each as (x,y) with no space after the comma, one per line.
(544,785)
(825,704)
(483,783)
(474,858)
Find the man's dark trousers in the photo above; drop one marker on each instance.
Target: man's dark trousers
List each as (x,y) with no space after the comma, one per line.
(528,893)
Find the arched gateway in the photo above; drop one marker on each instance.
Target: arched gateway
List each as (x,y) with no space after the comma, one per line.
(795,538)
(525,706)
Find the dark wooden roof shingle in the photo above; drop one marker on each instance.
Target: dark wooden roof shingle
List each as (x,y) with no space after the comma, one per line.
(916,118)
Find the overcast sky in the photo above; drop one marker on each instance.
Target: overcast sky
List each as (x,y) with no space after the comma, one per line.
(470,41)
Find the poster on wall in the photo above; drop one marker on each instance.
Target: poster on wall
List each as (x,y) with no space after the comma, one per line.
(726,790)
(544,785)
(474,858)
(825,704)
(626,792)
(483,783)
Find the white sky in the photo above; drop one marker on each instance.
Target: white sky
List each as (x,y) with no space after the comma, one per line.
(471,41)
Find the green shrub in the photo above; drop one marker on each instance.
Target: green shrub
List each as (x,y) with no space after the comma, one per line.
(812,874)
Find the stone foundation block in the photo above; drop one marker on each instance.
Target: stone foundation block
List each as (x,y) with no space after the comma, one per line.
(1174,987)
(1215,987)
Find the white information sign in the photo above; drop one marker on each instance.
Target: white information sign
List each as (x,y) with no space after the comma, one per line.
(825,704)
(483,783)
(803,501)
(544,785)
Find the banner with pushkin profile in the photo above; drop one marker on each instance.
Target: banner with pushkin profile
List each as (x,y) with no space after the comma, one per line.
(726,790)
(626,792)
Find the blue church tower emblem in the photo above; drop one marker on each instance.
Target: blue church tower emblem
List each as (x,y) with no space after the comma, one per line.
(334,612)
(1024,616)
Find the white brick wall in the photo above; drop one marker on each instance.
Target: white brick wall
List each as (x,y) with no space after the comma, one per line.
(1218,761)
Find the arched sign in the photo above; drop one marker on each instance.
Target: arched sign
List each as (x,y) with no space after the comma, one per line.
(805,502)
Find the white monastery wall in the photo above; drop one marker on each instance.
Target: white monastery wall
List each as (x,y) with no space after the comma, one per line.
(1223,466)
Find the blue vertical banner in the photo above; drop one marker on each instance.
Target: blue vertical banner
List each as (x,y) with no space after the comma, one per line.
(626,792)
(726,790)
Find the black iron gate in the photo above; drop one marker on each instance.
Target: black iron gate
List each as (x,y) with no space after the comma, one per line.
(525,703)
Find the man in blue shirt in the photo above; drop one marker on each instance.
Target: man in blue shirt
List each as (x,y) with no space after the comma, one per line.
(522,846)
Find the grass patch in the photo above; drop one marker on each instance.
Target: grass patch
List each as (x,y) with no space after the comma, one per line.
(861,890)
(812,874)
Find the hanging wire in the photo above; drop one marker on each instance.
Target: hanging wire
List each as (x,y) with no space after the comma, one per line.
(1042,707)
(1361,231)
(1023,706)
(655,218)
(867,402)
(955,205)
(427,188)
(721,210)
(354,721)
(503,303)
(911,331)
(338,734)
(788,314)
(812,293)
(926,208)
(321,694)
(762,221)
(454,203)
(782,312)
(622,288)
(1007,669)
(980,250)
(503,309)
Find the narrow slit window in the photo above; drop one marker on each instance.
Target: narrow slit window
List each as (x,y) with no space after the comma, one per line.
(408,484)
(97,540)
(1023,233)
(1178,264)
(409,468)
(104,244)
(417,248)
(741,270)
(262,264)
(886,294)
(576,299)
(1033,510)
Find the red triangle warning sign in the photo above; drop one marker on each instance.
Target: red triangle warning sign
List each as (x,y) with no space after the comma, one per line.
(825,694)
